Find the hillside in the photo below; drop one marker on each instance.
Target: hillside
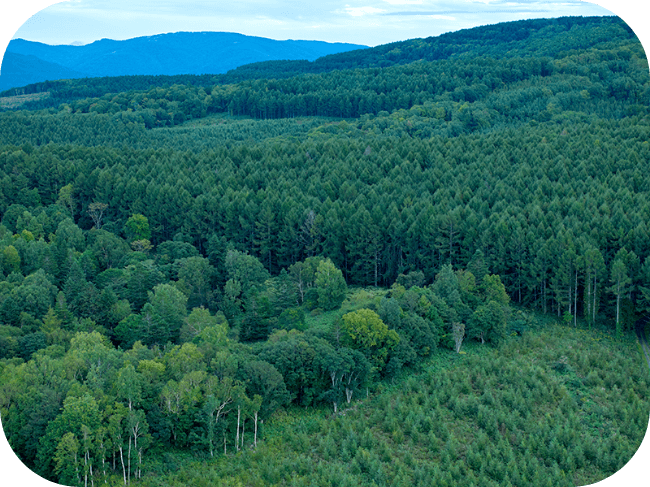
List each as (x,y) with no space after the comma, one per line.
(539,38)
(334,277)
(19,70)
(164,54)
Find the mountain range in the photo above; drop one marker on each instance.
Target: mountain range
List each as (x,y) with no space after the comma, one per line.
(164,54)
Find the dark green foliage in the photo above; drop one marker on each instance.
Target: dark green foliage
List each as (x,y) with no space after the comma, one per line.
(172,250)
(138,280)
(292,318)
(298,358)
(413,278)
(264,379)
(31,343)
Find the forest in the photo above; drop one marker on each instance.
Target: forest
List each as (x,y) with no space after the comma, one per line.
(415,264)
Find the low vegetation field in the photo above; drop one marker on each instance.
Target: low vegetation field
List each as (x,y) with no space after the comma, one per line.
(18,100)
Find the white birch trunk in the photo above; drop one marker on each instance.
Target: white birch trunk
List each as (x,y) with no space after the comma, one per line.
(123,468)
(593,308)
(128,459)
(237,436)
(92,480)
(76,468)
(255,434)
(618,302)
(348,394)
(575,301)
(243,426)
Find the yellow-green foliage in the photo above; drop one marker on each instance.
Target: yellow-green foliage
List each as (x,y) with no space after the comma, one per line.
(370,334)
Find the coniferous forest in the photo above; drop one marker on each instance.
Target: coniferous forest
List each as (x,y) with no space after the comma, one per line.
(425,263)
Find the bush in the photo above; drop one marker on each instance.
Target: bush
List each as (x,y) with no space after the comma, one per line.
(316,312)
(31,343)
(292,318)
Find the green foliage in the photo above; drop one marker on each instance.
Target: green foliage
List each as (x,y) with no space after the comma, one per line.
(10,260)
(413,278)
(245,268)
(494,290)
(196,273)
(370,334)
(488,323)
(169,309)
(464,422)
(137,228)
(292,318)
(330,285)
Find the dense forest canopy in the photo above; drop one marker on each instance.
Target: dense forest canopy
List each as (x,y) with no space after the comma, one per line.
(181,258)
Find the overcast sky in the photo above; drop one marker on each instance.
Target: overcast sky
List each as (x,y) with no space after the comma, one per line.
(369,22)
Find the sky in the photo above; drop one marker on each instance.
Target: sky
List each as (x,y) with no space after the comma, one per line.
(369,22)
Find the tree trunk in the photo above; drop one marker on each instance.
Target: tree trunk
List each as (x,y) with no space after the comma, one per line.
(76,467)
(587,312)
(255,435)
(593,308)
(618,305)
(128,459)
(237,436)
(575,301)
(376,265)
(123,469)
(243,426)
(135,447)
(92,480)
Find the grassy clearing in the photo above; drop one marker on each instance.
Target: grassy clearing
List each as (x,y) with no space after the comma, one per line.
(18,100)
(357,298)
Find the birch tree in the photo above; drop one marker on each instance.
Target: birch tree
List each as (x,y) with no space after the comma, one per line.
(458,332)
(594,267)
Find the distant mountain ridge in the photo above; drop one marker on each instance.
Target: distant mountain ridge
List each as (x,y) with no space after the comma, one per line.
(19,70)
(163,54)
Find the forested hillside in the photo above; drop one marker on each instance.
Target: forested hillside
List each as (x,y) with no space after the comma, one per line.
(164,54)
(188,261)
(18,70)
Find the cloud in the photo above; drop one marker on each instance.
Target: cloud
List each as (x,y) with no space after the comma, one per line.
(443,13)
(369,22)
(404,2)
(361,11)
